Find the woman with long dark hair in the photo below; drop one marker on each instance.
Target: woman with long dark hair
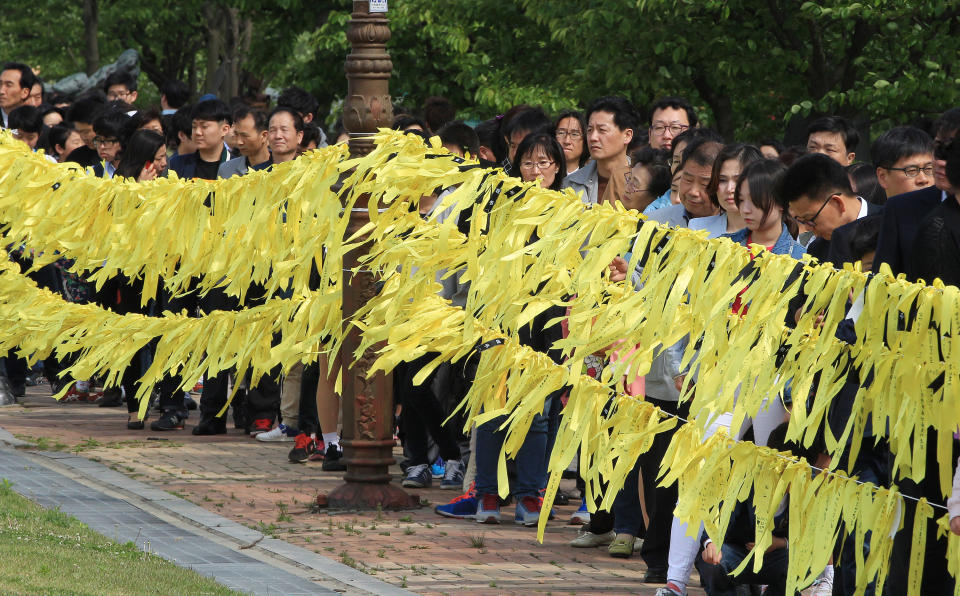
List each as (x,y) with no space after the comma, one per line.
(144,157)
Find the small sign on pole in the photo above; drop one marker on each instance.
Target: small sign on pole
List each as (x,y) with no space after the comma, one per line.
(378,6)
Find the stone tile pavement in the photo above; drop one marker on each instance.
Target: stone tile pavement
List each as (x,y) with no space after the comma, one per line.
(252,483)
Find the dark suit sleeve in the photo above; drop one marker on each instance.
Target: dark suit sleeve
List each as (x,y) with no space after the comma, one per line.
(840,251)
(888,246)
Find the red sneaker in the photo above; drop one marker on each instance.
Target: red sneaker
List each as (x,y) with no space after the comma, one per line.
(321,450)
(260,425)
(303,447)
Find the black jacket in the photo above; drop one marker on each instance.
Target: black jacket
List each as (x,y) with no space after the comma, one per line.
(840,251)
(901,220)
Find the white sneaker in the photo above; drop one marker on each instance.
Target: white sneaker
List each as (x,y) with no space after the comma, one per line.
(281,433)
(823,586)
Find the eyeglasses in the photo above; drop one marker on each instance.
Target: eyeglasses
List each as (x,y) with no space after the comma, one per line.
(811,222)
(115,95)
(531,165)
(105,142)
(573,135)
(914,171)
(674,128)
(941,148)
(633,185)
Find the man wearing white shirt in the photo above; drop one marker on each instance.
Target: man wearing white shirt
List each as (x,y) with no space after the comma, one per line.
(817,193)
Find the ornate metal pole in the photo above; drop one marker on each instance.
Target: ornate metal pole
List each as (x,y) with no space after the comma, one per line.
(367,402)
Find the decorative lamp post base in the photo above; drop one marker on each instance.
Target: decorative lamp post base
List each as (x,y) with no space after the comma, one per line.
(355,495)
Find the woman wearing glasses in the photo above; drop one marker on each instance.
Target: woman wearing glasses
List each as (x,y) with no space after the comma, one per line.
(539,157)
(648,178)
(570,133)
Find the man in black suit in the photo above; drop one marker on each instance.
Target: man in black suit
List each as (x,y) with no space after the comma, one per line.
(816,191)
(903,213)
(927,246)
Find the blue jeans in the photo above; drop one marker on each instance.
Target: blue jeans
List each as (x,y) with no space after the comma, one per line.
(717,581)
(531,458)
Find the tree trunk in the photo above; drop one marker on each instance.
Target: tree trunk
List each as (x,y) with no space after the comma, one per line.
(91,24)
(215,43)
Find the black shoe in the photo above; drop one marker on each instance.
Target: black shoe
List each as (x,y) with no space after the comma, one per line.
(136,424)
(111,398)
(189,402)
(211,426)
(655,576)
(170,420)
(303,447)
(562,498)
(333,459)
(19,389)
(240,419)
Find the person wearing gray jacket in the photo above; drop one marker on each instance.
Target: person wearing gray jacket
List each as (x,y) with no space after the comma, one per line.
(611,124)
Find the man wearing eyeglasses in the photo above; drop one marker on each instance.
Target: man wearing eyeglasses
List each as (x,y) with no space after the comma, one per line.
(817,193)
(903,157)
(121,86)
(903,213)
(669,116)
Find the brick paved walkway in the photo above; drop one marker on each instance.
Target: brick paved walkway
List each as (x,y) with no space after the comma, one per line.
(253,483)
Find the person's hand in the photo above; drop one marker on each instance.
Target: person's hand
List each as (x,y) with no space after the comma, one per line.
(816,324)
(148,172)
(711,554)
(678,381)
(776,543)
(618,269)
(955,525)
(822,461)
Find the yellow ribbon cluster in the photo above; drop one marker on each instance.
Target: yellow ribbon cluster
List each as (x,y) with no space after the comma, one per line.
(35,322)
(523,250)
(528,249)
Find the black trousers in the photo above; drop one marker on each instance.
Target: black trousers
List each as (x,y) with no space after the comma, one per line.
(936,578)
(308,422)
(660,500)
(262,400)
(123,296)
(423,415)
(47,277)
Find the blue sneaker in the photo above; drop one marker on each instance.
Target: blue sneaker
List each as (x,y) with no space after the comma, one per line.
(528,511)
(453,475)
(462,507)
(580,516)
(437,469)
(488,510)
(418,476)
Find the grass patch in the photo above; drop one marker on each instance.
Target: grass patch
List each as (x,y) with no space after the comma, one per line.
(49,552)
(42,443)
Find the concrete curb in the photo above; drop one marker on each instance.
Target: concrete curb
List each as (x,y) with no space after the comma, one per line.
(244,537)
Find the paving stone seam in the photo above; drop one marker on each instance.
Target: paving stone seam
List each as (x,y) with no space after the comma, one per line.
(293,558)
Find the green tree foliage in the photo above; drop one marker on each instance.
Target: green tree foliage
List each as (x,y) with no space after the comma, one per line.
(749,66)
(746,64)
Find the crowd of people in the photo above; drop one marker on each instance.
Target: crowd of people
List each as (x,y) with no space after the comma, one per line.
(814,198)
